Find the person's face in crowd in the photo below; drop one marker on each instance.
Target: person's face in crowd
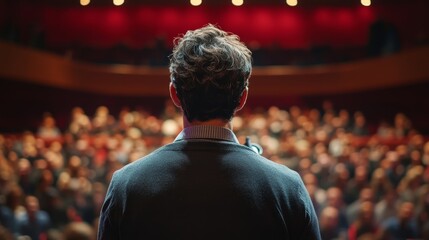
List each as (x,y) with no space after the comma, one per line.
(367,212)
(48,122)
(329,218)
(342,172)
(24,167)
(360,120)
(328,117)
(334,197)
(74,162)
(400,121)
(426,148)
(14,197)
(314,115)
(56,147)
(402,151)
(361,174)
(390,197)
(305,165)
(378,175)
(12,157)
(5,177)
(393,159)
(47,178)
(32,207)
(406,211)
(310,179)
(416,157)
(344,115)
(295,112)
(366,195)
(415,175)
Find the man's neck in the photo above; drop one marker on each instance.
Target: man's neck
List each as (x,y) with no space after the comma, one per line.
(212,122)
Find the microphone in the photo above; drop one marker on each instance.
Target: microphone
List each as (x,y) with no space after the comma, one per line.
(254,146)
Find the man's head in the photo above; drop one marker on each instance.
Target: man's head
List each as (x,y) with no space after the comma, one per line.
(32,206)
(209,71)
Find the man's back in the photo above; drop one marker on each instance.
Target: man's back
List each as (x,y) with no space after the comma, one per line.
(196,189)
(206,185)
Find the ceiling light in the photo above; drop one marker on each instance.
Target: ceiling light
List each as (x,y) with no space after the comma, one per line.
(196,2)
(84,2)
(237,2)
(118,2)
(292,3)
(366,3)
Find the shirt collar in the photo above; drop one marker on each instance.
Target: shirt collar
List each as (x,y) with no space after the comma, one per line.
(207,132)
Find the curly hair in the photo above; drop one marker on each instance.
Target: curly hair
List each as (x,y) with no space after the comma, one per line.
(209,69)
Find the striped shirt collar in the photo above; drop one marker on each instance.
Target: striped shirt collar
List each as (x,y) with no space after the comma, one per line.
(207,132)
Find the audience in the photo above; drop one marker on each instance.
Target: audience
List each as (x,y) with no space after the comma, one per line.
(363,185)
(32,222)
(364,225)
(330,224)
(403,226)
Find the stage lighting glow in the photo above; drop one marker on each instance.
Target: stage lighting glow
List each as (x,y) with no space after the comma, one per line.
(84,2)
(196,2)
(366,3)
(237,2)
(292,3)
(118,2)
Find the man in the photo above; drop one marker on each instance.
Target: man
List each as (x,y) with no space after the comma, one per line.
(33,222)
(205,185)
(404,226)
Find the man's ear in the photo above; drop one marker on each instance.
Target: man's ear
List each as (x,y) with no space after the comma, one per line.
(173,96)
(243,99)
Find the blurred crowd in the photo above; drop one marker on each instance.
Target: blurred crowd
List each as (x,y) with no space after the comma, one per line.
(364,184)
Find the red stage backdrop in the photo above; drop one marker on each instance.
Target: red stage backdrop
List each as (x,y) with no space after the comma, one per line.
(264,25)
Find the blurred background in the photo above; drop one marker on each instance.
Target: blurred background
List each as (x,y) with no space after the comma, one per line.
(336,50)
(339,92)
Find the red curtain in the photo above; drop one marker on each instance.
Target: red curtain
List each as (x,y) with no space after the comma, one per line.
(260,25)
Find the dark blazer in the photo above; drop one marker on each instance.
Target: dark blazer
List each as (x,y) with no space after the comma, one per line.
(196,189)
